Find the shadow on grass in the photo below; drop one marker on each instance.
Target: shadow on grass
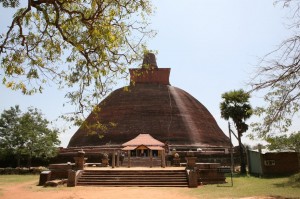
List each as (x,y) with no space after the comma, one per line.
(288,184)
(293,181)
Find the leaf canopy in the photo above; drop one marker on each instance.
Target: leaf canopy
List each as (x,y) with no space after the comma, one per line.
(236,106)
(27,134)
(84,46)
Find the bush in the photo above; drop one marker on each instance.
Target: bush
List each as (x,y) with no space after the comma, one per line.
(21,171)
(294,180)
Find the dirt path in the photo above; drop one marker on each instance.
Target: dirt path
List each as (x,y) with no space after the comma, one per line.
(29,190)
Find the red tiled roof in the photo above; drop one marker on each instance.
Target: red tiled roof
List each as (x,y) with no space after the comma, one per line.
(143,139)
(129,148)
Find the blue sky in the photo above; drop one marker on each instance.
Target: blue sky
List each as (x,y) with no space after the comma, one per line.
(211,46)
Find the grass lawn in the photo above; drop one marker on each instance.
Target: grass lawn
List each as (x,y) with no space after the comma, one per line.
(9,179)
(246,186)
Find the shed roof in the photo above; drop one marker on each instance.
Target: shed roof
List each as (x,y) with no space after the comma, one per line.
(143,139)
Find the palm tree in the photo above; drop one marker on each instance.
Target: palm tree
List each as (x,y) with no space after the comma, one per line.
(236,106)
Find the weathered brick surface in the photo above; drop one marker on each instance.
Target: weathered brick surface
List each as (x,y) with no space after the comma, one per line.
(151,106)
(168,113)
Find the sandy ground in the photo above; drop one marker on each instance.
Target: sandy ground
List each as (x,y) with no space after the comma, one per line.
(29,190)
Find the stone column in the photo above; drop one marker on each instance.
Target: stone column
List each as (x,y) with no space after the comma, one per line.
(113,160)
(118,159)
(71,178)
(193,179)
(104,160)
(44,177)
(163,159)
(151,159)
(176,160)
(80,160)
(129,160)
(190,160)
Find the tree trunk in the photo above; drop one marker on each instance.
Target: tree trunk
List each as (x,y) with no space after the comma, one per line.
(241,149)
(18,160)
(29,158)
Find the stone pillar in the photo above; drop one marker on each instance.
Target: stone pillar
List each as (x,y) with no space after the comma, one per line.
(71,178)
(191,162)
(129,160)
(113,160)
(176,160)
(104,160)
(151,159)
(80,160)
(193,179)
(44,177)
(163,159)
(118,159)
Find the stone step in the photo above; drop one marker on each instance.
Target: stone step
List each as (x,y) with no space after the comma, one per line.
(134,172)
(115,183)
(128,176)
(155,178)
(133,180)
(131,185)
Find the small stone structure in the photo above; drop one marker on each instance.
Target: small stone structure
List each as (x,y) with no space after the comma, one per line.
(80,160)
(208,173)
(176,160)
(105,160)
(64,171)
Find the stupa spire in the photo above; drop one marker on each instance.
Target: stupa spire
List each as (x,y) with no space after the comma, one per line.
(149,61)
(149,73)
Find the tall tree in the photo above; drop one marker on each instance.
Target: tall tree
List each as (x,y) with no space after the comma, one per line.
(9,133)
(27,134)
(278,77)
(81,44)
(236,106)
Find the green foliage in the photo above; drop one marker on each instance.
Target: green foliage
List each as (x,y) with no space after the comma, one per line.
(82,45)
(21,171)
(284,142)
(236,106)
(27,134)
(294,180)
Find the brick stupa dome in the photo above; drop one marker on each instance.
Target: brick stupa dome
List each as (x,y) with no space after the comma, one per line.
(151,105)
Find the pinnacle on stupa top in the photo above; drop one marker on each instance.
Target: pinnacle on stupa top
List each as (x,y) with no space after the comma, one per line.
(149,73)
(149,61)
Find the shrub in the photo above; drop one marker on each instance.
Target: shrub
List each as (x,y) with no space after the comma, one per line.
(21,171)
(294,180)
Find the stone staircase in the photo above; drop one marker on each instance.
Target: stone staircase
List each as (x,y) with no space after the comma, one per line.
(134,178)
